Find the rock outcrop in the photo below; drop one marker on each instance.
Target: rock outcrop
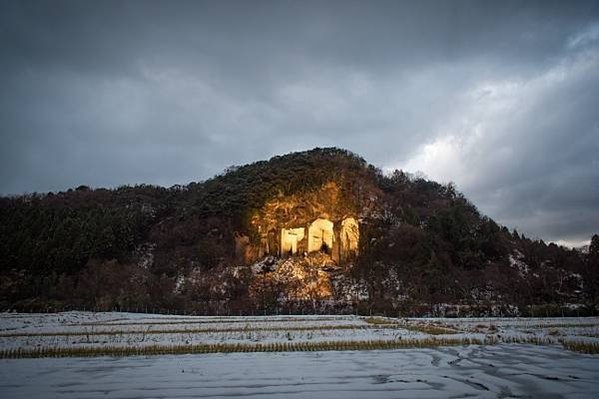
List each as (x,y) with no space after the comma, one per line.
(316,221)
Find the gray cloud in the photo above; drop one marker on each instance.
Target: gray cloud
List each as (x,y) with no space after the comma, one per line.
(500,98)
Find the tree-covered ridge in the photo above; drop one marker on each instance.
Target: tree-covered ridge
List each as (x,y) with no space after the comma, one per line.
(421,242)
(249,187)
(60,232)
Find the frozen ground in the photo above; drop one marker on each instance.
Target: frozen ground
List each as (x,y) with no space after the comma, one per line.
(87,329)
(498,371)
(502,370)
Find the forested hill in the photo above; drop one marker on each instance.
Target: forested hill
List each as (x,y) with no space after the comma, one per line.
(420,244)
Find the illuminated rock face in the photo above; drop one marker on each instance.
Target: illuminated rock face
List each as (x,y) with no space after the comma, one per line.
(339,240)
(290,239)
(297,279)
(305,239)
(349,237)
(321,220)
(320,236)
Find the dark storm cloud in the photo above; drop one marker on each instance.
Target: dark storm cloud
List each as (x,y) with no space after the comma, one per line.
(500,98)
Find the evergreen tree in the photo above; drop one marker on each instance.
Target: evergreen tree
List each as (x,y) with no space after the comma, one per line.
(594,247)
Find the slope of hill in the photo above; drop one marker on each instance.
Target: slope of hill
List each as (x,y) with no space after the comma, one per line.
(318,229)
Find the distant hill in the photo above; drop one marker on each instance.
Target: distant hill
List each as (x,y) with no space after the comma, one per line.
(319,230)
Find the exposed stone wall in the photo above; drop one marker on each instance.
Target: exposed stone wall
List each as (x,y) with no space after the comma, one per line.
(339,240)
(300,209)
(349,238)
(290,238)
(319,220)
(320,235)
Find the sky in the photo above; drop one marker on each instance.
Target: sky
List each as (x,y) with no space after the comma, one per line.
(501,98)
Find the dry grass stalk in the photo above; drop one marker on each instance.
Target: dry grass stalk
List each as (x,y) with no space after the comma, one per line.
(18,353)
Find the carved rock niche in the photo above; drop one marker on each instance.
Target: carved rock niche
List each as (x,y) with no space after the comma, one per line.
(290,239)
(320,235)
(349,237)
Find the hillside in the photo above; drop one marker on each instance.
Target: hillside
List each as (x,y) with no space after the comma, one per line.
(307,231)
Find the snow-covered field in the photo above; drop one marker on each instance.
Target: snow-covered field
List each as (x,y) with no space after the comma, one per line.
(87,329)
(504,369)
(500,371)
(78,329)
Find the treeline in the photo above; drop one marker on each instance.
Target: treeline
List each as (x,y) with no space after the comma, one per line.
(434,246)
(56,246)
(172,248)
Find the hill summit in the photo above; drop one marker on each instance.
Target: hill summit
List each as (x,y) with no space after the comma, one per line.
(319,230)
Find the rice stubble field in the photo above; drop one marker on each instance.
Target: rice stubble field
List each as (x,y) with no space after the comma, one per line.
(128,355)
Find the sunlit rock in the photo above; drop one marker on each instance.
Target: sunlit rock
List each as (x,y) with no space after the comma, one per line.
(320,235)
(295,278)
(319,220)
(290,239)
(349,238)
